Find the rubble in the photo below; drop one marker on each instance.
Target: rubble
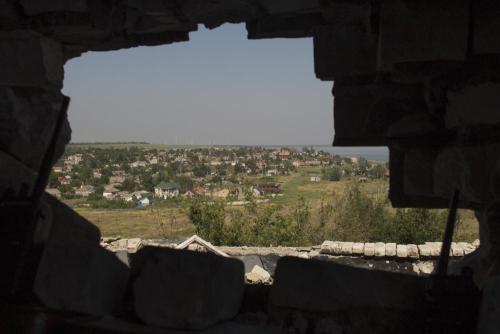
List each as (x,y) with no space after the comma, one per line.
(186,290)
(75,273)
(258,275)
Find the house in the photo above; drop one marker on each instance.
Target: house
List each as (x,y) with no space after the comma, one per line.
(116,179)
(122,195)
(272,172)
(284,153)
(109,192)
(84,190)
(315,179)
(261,164)
(54,192)
(167,190)
(137,164)
(74,159)
(64,179)
(267,188)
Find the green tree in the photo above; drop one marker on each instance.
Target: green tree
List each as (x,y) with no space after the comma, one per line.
(332,174)
(377,172)
(185,182)
(208,220)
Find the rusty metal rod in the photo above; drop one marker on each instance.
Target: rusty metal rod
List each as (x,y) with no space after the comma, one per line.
(442,269)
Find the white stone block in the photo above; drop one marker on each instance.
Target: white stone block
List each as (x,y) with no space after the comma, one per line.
(358,248)
(402,251)
(369,249)
(425,250)
(346,248)
(412,251)
(456,249)
(390,249)
(331,247)
(379,249)
(467,247)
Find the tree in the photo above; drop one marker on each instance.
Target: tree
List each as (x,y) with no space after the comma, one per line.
(377,171)
(128,185)
(185,182)
(201,170)
(208,219)
(332,174)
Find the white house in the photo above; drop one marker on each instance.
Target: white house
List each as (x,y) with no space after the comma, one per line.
(167,190)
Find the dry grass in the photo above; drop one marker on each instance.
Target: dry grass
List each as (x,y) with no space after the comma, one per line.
(143,223)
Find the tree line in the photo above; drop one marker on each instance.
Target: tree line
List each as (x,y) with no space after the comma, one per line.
(351,216)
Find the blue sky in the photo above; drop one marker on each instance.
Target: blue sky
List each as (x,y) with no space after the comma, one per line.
(218,88)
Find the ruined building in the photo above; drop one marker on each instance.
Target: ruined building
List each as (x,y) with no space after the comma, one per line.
(420,76)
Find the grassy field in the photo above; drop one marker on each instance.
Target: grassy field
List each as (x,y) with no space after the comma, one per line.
(173,222)
(143,223)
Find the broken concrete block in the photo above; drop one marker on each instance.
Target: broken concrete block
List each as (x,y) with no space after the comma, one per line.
(412,33)
(368,114)
(33,7)
(42,63)
(294,26)
(467,247)
(476,243)
(390,249)
(456,249)
(358,248)
(258,275)
(473,106)
(346,248)
(331,247)
(75,273)
(402,251)
(184,289)
(379,249)
(435,248)
(342,50)
(369,249)
(423,267)
(412,251)
(289,6)
(327,288)
(489,314)
(425,250)
(486,27)
(81,277)
(134,244)
(27,123)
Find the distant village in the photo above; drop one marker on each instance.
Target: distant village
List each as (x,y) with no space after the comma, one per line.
(138,176)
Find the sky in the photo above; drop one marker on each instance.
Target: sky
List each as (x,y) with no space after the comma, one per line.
(218,88)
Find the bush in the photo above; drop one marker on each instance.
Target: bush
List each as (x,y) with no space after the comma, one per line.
(332,174)
(357,217)
(353,216)
(247,226)
(414,226)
